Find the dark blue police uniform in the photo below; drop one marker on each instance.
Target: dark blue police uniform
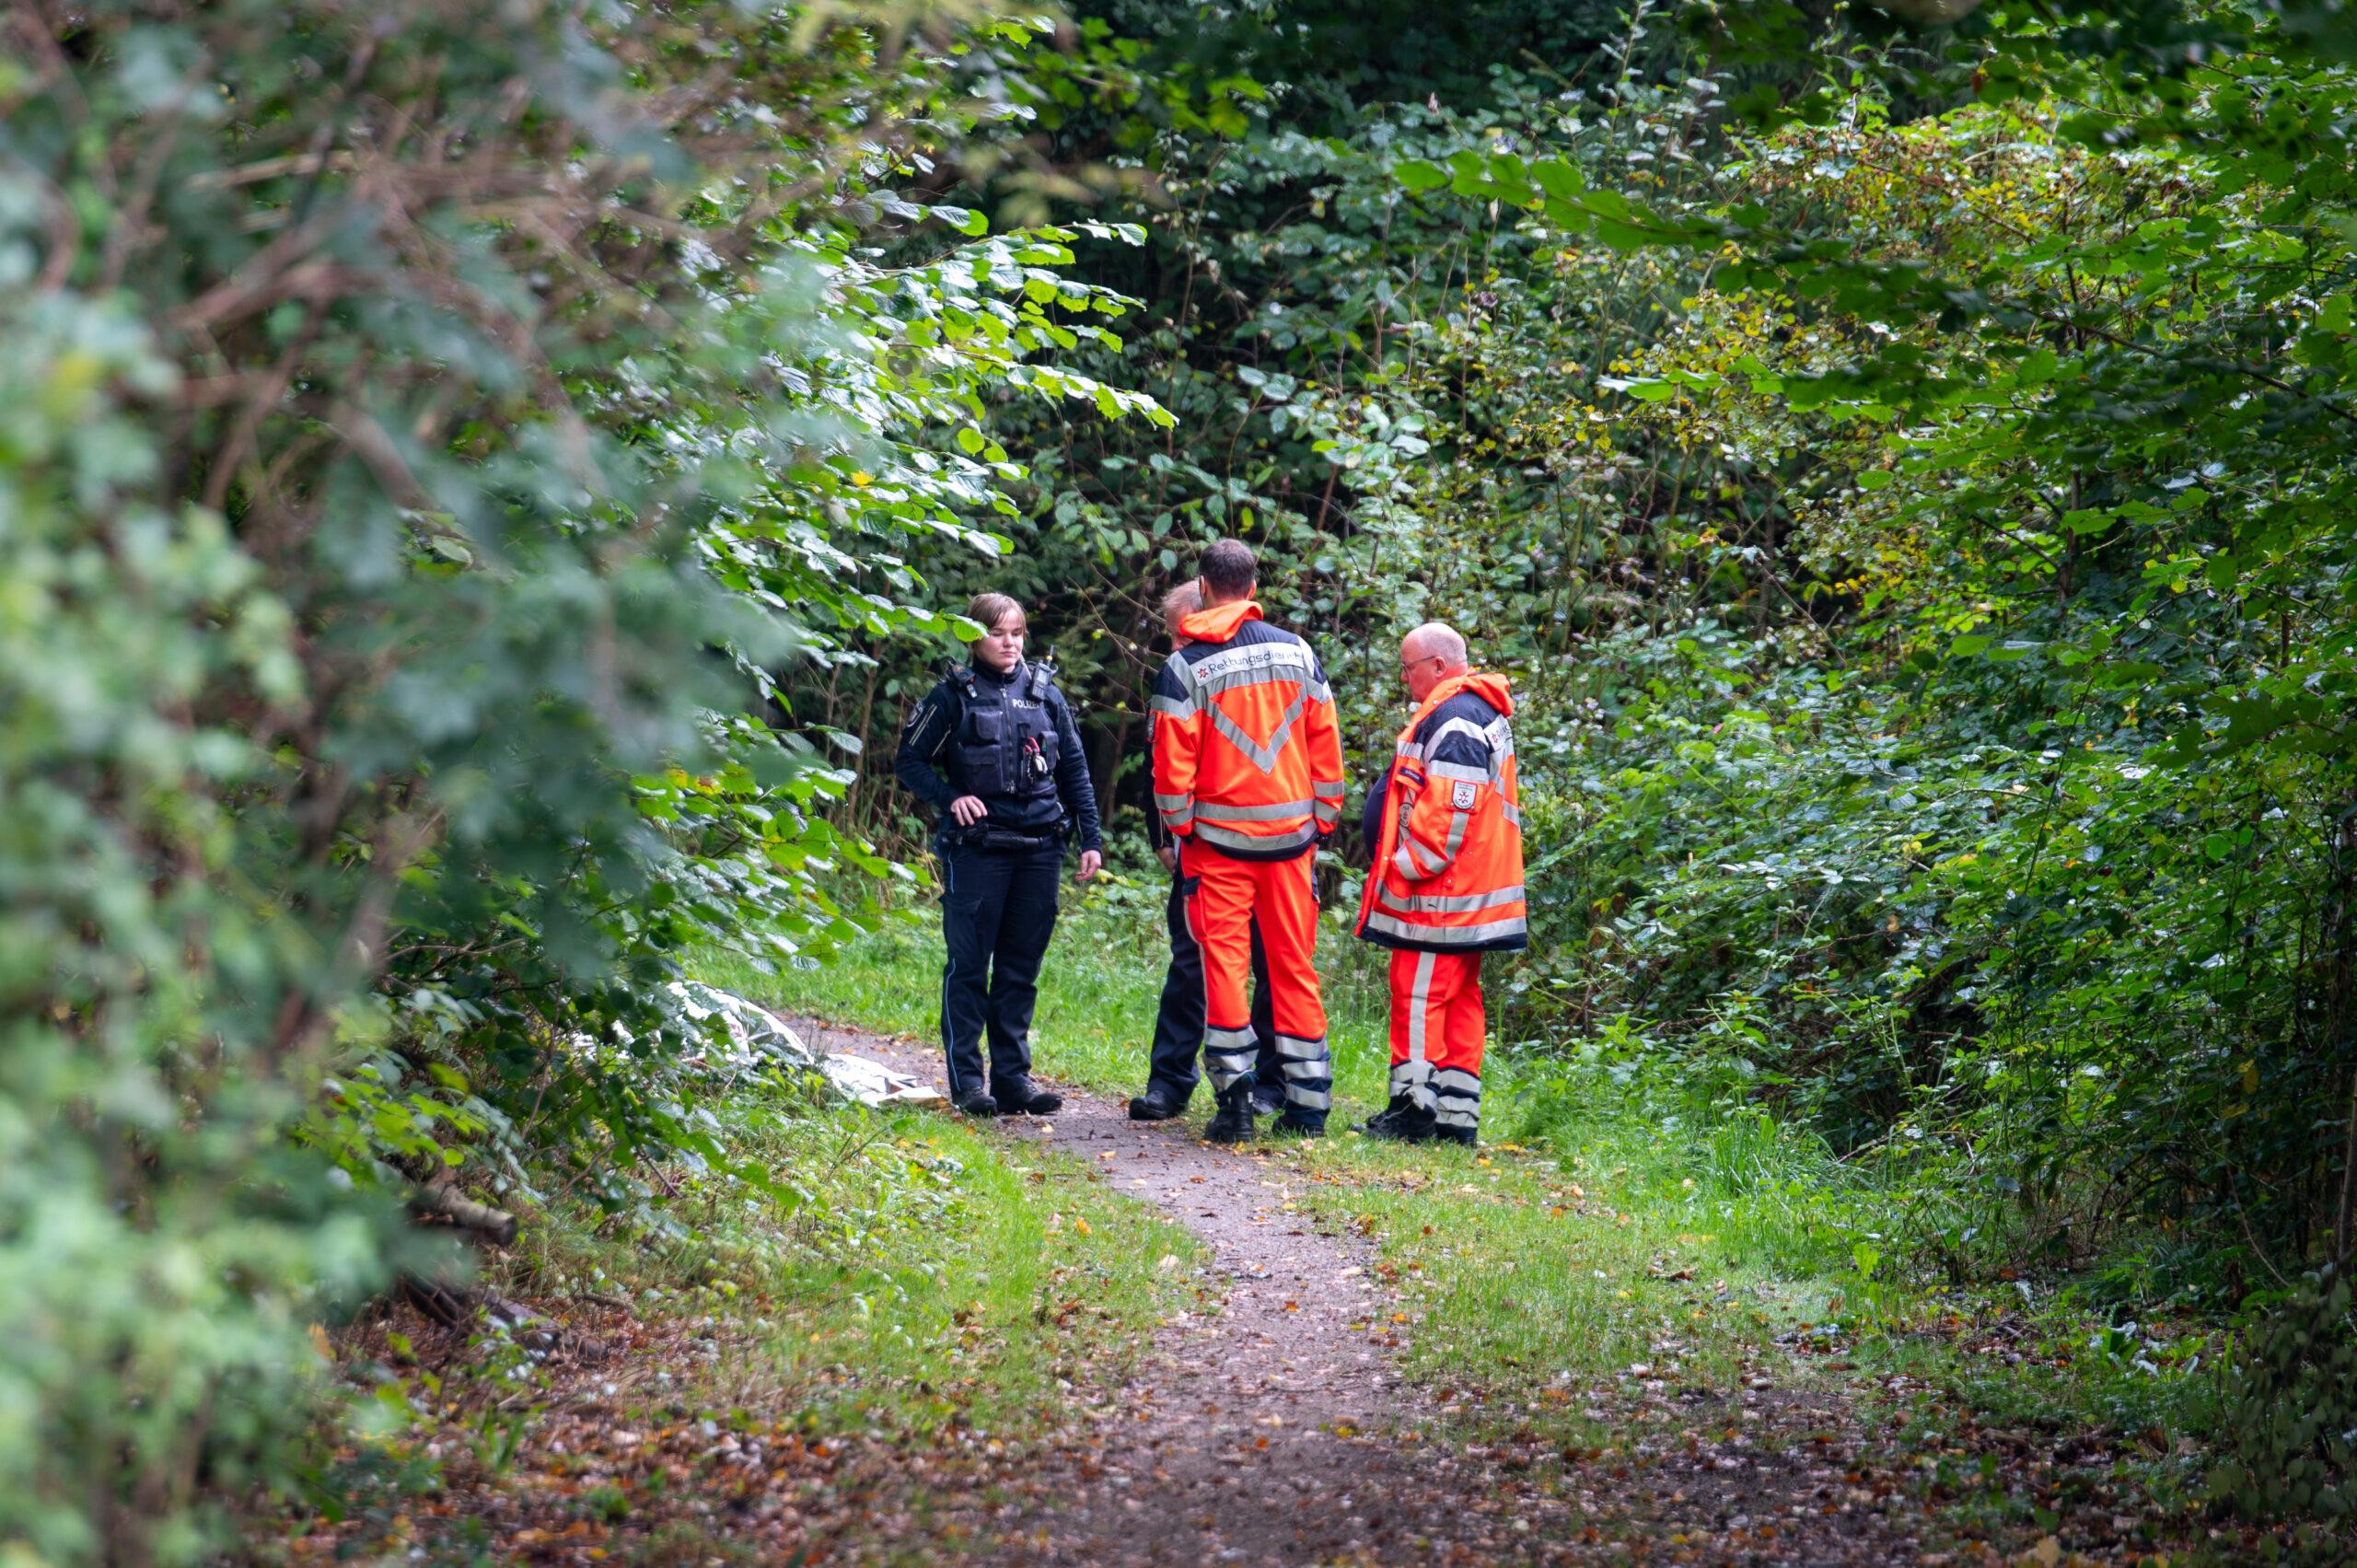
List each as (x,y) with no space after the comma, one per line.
(1010,740)
(1178,1020)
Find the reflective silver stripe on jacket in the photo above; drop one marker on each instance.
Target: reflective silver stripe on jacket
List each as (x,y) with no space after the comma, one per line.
(1205,687)
(1458,727)
(1407,856)
(1458,822)
(1224,838)
(1262,757)
(1433,903)
(1448,936)
(1251,664)
(1327,807)
(1212,811)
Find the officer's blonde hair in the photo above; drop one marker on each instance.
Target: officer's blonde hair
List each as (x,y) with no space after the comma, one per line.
(988,609)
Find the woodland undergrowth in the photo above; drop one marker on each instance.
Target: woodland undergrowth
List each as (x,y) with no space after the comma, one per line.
(481,486)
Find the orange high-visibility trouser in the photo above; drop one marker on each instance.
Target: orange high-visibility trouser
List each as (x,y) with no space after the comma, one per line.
(1229,893)
(1437,1027)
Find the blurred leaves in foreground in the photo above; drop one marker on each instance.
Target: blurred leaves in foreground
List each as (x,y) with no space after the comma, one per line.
(425,432)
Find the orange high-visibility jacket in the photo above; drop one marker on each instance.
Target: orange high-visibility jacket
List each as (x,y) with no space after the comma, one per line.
(1447,870)
(1246,755)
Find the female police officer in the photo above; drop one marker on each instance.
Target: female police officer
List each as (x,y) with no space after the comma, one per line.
(1017,788)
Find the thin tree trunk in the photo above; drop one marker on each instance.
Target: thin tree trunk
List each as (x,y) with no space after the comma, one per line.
(2339,956)
(866,748)
(1105,771)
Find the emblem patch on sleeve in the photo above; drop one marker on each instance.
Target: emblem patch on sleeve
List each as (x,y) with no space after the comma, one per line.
(1462,797)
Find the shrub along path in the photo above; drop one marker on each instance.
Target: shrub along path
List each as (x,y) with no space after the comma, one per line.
(1273,1425)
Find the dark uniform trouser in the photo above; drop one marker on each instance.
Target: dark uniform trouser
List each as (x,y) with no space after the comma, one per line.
(1178,1026)
(998,909)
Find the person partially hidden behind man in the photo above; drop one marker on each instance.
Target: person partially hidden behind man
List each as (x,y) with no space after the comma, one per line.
(1443,833)
(1017,788)
(1178,1021)
(1247,777)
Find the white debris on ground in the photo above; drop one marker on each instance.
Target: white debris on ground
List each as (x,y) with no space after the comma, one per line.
(871,1083)
(758,1038)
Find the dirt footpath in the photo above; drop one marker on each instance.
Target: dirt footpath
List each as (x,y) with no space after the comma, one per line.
(1279,1431)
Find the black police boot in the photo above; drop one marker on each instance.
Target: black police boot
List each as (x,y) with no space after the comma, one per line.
(1296,1122)
(1443,1132)
(1233,1123)
(1402,1121)
(1159,1103)
(1017,1097)
(977,1103)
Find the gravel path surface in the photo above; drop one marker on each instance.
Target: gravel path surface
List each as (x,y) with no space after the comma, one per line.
(1279,1429)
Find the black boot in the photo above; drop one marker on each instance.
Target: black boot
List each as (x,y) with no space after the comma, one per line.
(1268,1100)
(1443,1132)
(977,1103)
(1017,1097)
(1402,1121)
(1233,1123)
(1159,1103)
(1294,1121)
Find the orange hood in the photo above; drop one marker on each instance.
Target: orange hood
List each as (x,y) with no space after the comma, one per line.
(1491,689)
(1219,622)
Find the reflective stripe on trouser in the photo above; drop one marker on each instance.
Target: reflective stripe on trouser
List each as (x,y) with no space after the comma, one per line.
(1437,1028)
(1281,896)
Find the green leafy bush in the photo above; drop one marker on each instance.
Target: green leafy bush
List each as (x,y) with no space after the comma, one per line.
(2290,1406)
(427,435)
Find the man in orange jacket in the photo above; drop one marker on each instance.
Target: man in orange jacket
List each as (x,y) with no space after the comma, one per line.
(1445,836)
(1248,778)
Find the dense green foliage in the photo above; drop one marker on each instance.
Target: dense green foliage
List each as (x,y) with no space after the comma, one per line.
(1908,475)
(2034,830)
(425,429)
(1920,538)
(478,488)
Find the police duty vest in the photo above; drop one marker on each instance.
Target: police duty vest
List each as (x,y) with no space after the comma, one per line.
(1005,743)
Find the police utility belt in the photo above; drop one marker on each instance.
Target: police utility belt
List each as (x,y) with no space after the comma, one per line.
(983,836)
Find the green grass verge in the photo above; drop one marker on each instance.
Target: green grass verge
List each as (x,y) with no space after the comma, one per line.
(1539,1269)
(1543,1270)
(920,1270)
(1536,1279)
